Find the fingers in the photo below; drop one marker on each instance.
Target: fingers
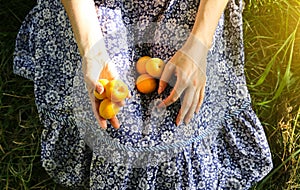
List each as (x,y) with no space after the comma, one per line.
(178,118)
(165,77)
(115,122)
(192,109)
(174,95)
(95,106)
(191,104)
(188,106)
(201,99)
(101,121)
(99,88)
(121,103)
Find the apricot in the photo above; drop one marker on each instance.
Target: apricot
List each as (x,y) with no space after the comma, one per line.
(108,109)
(116,90)
(141,64)
(155,67)
(146,84)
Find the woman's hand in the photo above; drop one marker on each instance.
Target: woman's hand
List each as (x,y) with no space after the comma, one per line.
(189,66)
(189,63)
(97,64)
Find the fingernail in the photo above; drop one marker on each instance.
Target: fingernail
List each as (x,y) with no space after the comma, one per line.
(104,127)
(197,110)
(118,125)
(178,120)
(99,89)
(187,121)
(159,90)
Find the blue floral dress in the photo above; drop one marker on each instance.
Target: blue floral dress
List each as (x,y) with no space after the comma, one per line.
(224,145)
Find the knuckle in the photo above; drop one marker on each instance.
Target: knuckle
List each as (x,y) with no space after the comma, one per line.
(185,81)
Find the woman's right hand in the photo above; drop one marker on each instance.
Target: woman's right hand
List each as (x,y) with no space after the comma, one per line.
(97,64)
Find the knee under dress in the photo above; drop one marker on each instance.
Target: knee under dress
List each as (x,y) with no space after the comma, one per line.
(223,147)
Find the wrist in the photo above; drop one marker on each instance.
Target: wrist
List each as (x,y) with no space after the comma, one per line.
(96,51)
(87,37)
(195,43)
(204,37)
(87,44)
(196,50)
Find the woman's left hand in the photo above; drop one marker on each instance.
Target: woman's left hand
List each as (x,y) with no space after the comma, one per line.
(189,66)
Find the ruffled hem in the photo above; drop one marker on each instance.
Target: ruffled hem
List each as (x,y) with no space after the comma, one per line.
(24,52)
(69,168)
(222,158)
(218,161)
(250,153)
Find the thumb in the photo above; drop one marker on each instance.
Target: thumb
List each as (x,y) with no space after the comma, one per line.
(165,77)
(99,88)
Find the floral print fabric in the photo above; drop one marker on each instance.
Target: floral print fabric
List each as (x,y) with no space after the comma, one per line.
(223,147)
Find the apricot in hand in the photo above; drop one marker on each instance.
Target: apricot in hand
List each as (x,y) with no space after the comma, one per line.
(108,109)
(115,91)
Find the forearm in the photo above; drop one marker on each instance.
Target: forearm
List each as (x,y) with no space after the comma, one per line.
(207,18)
(83,18)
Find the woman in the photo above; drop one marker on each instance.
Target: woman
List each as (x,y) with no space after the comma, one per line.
(197,131)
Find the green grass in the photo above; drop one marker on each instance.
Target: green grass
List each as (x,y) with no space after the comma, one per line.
(20,127)
(272,46)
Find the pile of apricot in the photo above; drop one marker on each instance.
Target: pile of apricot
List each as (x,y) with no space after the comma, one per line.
(115,91)
(149,70)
